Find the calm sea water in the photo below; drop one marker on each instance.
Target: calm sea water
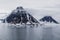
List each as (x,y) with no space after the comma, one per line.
(10,32)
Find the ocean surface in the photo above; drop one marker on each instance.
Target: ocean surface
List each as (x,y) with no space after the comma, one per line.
(29,32)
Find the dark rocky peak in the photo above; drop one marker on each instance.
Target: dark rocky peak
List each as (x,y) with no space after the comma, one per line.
(19,8)
(19,15)
(48,19)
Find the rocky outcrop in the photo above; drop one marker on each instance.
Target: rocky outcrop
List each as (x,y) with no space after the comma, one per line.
(48,19)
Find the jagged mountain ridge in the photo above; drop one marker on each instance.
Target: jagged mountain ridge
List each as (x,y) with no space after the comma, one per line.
(19,15)
(48,19)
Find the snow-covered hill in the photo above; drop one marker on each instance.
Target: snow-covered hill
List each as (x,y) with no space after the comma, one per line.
(20,15)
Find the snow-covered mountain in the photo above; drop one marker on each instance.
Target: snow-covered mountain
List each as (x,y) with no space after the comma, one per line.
(20,15)
(39,13)
(48,19)
(35,13)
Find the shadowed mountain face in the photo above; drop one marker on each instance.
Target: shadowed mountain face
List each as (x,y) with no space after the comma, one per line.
(48,19)
(19,15)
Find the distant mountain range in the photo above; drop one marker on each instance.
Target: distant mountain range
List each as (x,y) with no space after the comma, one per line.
(48,19)
(22,15)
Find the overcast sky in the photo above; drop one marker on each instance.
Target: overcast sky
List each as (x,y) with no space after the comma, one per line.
(8,5)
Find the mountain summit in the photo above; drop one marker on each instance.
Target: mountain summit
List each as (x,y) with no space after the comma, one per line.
(48,19)
(20,15)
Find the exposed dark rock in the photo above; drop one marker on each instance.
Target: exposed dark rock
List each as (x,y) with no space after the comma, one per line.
(20,16)
(48,19)
(2,20)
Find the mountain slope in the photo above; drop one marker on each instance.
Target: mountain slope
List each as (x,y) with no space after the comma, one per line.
(19,15)
(48,19)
